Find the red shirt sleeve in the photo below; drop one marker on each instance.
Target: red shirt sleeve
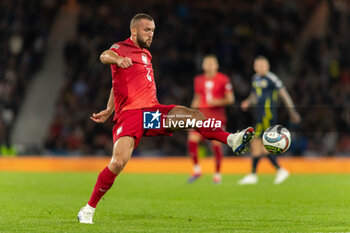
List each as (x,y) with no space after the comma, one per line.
(227,83)
(117,49)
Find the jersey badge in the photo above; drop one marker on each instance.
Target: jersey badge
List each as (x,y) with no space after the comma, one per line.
(144,58)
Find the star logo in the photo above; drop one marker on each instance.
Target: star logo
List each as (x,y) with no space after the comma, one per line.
(151,120)
(155,115)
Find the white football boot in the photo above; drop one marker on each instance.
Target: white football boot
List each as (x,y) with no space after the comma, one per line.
(86,214)
(197,173)
(249,179)
(239,141)
(217,178)
(281,175)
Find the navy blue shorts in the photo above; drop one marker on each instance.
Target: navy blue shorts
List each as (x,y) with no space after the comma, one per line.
(263,120)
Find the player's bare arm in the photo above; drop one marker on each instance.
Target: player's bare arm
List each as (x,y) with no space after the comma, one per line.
(195,101)
(109,57)
(251,100)
(228,99)
(288,102)
(102,116)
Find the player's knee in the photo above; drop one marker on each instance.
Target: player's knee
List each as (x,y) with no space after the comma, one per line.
(216,143)
(194,137)
(117,164)
(256,154)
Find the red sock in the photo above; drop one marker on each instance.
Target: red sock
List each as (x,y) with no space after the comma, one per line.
(218,157)
(104,182)
(214,133)
(193,150)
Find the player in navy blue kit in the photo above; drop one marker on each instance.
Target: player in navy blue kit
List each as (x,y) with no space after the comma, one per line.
(267,87)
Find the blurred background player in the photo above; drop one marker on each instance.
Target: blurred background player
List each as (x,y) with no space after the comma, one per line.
(266,89)
(213,91)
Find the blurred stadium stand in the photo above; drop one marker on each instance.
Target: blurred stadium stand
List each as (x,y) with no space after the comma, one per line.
(24,28)
(39,105)
(307,43)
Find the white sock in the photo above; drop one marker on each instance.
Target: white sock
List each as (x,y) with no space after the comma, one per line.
(197,169)
(90,208)
(230,140)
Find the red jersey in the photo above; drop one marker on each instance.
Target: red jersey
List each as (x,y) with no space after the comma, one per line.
(133,87)
(212,88)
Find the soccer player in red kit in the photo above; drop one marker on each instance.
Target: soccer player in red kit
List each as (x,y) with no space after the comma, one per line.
(213,91)
(137,111)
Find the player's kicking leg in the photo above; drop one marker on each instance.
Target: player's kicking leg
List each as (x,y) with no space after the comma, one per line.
(122,151)
(237,141)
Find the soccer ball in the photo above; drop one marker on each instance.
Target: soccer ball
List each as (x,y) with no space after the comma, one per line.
(276,139)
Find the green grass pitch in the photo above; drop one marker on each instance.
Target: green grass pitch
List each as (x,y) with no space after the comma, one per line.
(49,202)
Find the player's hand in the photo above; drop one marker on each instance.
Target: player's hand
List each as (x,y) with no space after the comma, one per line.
(101,117)
(294,117)
(214,102)
(125,62)
(245,105)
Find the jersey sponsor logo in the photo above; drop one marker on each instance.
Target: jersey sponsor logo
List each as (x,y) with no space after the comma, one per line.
(151,120)
(261,83)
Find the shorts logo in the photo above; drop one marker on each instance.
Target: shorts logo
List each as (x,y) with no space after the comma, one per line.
(151,120)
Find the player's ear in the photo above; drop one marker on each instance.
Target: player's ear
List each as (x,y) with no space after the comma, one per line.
(133,31)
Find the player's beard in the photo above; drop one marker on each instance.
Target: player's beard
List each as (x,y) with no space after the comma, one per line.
(142,43)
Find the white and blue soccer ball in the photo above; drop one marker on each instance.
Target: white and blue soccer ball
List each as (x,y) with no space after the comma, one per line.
(277,139)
